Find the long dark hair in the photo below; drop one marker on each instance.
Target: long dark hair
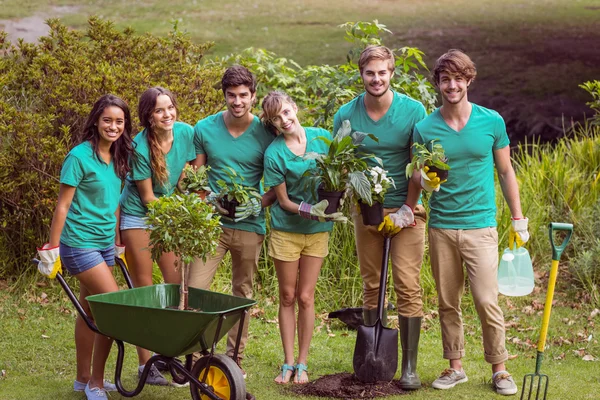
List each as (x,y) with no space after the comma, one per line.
(122,148)
(146,107)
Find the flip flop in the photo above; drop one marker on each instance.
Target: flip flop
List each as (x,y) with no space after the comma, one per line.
(284,369)
(300,368)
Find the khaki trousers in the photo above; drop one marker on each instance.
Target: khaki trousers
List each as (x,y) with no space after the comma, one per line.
(406,252)
(478,250)
(245,248)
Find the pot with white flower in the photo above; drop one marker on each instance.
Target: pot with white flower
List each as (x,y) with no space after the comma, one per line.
(371,197)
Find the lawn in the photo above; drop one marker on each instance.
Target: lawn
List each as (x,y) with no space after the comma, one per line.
(38,354)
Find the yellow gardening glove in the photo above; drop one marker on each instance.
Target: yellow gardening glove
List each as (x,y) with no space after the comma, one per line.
(120,253)
(430,181)
(518,232)
(49,264)
(387,227)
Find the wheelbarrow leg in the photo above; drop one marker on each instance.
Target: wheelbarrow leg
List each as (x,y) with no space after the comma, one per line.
(243,315)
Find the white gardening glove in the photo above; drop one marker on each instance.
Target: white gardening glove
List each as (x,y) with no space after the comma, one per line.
(518,232)
(49,264)
(252,207)
(403,217)
(317,212)
(120,253)
(430,181)
(215,199)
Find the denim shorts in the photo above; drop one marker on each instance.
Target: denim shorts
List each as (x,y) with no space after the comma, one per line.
(78,260)
(129,221)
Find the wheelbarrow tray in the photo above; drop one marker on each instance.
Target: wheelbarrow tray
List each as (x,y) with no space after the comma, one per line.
(140,316)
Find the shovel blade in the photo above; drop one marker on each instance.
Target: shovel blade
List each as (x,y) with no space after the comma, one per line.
(375,353)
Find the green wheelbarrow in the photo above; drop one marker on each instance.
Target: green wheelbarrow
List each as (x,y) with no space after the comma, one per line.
(148,317)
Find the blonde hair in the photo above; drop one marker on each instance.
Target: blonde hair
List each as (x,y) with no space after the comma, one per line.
(271,105)
(454,62)
(374,52)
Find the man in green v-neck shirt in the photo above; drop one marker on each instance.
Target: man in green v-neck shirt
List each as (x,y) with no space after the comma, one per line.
(462,224)
(234,138)
(391,117)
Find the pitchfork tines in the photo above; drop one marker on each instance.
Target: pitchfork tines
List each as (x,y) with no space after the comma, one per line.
(529,382)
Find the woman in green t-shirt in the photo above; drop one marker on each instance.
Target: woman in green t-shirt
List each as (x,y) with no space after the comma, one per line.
(83,227)
(299,230)
(161,151)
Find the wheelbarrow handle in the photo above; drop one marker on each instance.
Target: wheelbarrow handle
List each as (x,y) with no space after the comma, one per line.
(559,226)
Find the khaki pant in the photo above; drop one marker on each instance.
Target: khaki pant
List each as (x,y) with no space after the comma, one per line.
(245,249)
(406,251)
(478,250)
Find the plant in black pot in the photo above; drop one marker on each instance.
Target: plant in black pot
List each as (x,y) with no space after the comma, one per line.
(340,167)
(233,193)
(371,194)
(435,160)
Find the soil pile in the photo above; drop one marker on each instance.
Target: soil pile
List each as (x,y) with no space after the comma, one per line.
(347,386)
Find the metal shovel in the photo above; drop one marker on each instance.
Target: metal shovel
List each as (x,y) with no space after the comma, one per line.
(376,350)
(537,380)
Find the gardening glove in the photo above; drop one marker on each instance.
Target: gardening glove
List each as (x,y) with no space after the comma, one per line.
(49,264)
(215,199)
(388,228)
(252,207)
(120,253)
(430,181)
(518,233)
(403,217)
(317,212)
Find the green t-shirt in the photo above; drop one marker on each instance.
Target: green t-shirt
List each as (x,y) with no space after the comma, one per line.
(281,165)
(91,220)
(394,131)
(468,199)
(245,154)
(182,151)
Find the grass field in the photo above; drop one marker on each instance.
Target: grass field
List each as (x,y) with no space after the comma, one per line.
(38,354)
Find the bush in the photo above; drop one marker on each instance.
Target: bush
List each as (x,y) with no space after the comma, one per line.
(48,91)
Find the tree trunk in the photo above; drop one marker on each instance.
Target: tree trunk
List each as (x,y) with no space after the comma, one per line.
(183,290)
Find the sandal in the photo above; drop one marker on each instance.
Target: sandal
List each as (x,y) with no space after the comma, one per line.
(284,370)
(300,368)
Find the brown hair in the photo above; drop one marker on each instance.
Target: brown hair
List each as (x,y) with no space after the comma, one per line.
(145,109)
(271,105)
(373,52)
(454,62)
(238,75)
(120,150)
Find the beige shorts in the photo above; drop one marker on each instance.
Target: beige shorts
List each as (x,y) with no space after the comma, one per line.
(288,246)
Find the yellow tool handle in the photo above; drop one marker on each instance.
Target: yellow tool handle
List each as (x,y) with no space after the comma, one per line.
(548,306)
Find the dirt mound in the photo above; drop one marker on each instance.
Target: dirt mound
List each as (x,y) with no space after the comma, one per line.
(347,386)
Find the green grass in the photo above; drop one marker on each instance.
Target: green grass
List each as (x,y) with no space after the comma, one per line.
(38,354)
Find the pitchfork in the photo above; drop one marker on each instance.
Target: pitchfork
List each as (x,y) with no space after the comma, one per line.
(542,379)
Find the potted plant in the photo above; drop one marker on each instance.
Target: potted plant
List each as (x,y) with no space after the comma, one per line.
(187,226)
(371,193)
(233,192)
(435,159)
(341,167)
(195,179)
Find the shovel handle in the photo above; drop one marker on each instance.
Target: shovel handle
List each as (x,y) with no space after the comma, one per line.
(383,277)
(559,226)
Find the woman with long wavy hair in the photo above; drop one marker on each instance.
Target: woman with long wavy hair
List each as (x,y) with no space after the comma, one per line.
(83,229)
(162,149)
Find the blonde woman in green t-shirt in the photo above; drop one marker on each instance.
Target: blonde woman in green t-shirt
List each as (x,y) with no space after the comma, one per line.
(299,230)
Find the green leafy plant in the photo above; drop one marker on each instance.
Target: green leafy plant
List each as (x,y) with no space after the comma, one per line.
(185,225)
(234,189)
(593,88)
(195,179)
(343,165)
(422,157)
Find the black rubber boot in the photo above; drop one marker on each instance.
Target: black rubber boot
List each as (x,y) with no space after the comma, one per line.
(370,317)
(410,332)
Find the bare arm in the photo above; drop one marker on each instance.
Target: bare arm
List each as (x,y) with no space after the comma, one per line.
(414,186)
(65,197)
(200,160)
(269,198)
(118,230)
(145,189)
(284,201)
(181,176)
(508,181)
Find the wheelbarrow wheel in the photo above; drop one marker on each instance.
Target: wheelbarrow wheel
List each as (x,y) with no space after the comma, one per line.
(224,378)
